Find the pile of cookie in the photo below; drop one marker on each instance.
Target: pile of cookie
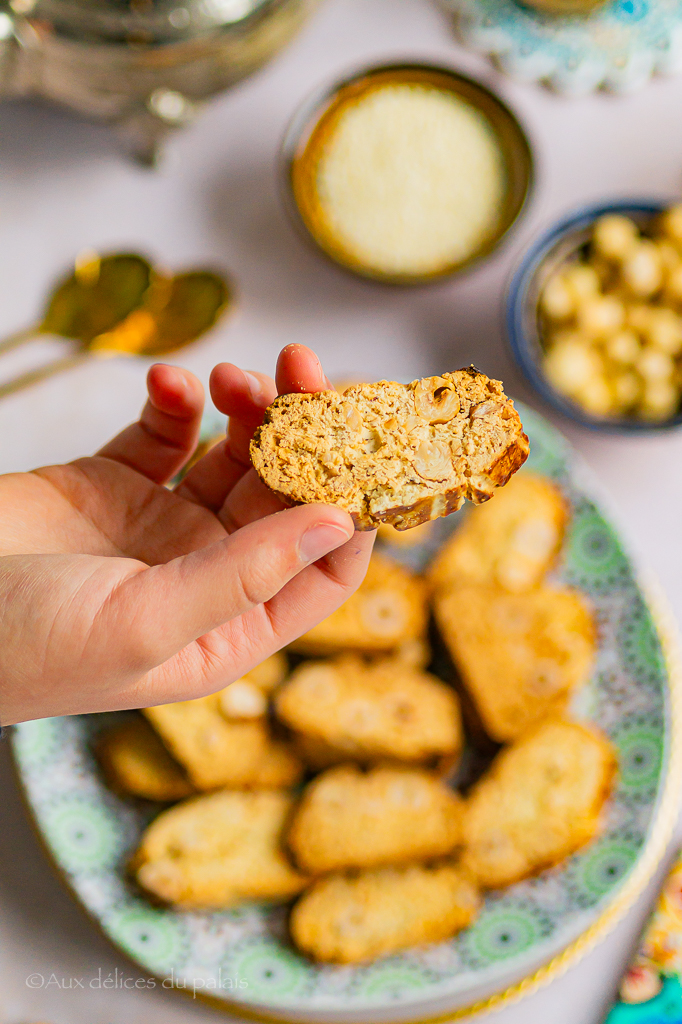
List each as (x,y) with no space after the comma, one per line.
(329,774)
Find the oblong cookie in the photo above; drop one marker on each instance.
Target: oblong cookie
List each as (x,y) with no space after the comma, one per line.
(135,762)
(510,542)
(540,801)
(213,751)
(217,752)
(354,919)
(392,453)
(520,656)
(354,710)
(387,612)
(351,819)
(216,850)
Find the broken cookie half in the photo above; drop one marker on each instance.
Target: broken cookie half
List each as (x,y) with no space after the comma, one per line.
(392,453)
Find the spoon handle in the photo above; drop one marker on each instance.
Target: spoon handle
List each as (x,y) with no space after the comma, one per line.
(25,380)
(18,338)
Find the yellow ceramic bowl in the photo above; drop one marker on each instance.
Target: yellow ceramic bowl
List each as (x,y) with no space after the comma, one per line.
(312,124)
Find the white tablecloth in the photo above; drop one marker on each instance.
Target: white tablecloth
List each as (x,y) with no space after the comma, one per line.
(64,187)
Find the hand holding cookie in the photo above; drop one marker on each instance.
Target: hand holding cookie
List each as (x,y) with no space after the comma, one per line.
(118,592)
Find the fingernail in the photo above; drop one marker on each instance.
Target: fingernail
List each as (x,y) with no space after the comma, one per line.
(320,540)
(255,386)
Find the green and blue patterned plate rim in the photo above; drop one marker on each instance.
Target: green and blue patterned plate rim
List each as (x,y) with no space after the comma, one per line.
(241,959)
(618,46)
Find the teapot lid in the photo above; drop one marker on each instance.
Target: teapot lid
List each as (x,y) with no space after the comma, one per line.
(143,21)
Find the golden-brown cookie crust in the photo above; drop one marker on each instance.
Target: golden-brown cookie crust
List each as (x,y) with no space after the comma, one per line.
(540,802)
(136,763)
(353,919)
(350,709)
(389,610)
(213,751)
(511,542)
(520,656)
(393,453)
(280,767)
(348,818)
(217,752)
(216,850)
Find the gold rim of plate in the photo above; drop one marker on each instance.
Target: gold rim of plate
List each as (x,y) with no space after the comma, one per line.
(651,856)
(313,124)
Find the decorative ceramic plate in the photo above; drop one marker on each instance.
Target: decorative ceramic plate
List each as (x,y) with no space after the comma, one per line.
(618,46)
(532,929)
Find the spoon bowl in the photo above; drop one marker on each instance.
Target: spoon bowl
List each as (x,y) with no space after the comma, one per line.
(120,304)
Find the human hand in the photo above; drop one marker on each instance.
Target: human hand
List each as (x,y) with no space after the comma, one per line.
(116,592)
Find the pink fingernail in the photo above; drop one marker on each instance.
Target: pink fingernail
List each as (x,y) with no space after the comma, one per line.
(320,540)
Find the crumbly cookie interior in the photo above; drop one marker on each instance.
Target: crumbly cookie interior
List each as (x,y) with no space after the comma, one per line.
(391,452)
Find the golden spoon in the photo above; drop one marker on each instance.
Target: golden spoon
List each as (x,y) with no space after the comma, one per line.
(98,294)
(119,305)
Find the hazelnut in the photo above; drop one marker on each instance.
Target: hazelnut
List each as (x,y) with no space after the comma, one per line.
(674,283)
(332,462)
(557,301)
(582,281)
(243,700)
(627,388)
(643,269)
(664,331)
(671,223)
(638,317)
(596,397)
(660,401)
(615,236)
(436,400)
(613,320)
(623,347)
(655,366)
(600,316)
(351,416)
(433,460)
(477,412)
(571,363)
(373,440)
(670,257)
(320,681)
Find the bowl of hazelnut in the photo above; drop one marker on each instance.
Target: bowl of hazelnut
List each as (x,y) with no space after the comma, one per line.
(594,316)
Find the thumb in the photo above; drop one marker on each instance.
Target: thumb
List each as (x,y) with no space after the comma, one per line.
(164,608)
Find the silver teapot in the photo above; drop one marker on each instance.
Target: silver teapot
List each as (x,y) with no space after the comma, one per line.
(145,66)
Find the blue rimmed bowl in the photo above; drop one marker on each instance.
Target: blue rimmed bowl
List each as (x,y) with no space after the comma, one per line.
(561,243)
